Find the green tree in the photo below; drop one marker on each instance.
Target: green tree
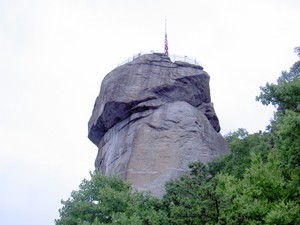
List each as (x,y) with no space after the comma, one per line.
(285,127)
(95,201)
(142,209)
(192,199)
(109,200)
(297,50)
(287,130)
(241,144)
(286,93)
(260,197)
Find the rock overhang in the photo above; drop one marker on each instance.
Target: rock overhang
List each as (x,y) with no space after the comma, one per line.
(146,83)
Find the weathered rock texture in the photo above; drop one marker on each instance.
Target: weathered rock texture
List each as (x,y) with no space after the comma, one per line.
(151,118)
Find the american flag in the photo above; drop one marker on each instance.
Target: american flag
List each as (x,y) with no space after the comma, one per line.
(166,45)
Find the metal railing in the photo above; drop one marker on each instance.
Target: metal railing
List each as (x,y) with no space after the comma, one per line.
(184,59)
(173,58)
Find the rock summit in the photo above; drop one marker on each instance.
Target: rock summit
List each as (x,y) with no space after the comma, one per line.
(151,119)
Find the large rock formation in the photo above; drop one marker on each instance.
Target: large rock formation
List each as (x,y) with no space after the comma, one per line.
(151,118)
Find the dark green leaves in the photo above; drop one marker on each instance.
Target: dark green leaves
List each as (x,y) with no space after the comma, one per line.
(286,93)
(109,200)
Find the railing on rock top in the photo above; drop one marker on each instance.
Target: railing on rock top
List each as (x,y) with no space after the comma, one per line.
(173,58)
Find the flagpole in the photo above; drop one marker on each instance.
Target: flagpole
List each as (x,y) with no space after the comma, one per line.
(166,40)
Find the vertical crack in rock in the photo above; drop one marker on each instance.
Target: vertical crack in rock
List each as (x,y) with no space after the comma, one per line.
(151,119)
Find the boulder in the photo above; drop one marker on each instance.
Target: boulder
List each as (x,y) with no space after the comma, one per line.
(151,118)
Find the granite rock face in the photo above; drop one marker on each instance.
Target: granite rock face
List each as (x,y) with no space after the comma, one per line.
(151,118)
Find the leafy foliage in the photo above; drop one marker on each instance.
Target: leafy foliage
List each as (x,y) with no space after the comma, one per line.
(286,93)
(95,201)
(192,199)
(241,144)
(259,197)
(297,51)
(108,200)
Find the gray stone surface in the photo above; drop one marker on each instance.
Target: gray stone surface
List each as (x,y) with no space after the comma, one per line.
(151,118)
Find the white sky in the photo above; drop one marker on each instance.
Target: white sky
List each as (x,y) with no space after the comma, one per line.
(54,54)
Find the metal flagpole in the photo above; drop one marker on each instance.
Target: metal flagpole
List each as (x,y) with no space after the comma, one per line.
(166,40)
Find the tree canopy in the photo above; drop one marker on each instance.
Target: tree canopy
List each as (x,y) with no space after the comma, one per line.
(286,93)
(109,200)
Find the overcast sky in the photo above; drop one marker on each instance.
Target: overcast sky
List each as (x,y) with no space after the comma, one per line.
(54,54)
